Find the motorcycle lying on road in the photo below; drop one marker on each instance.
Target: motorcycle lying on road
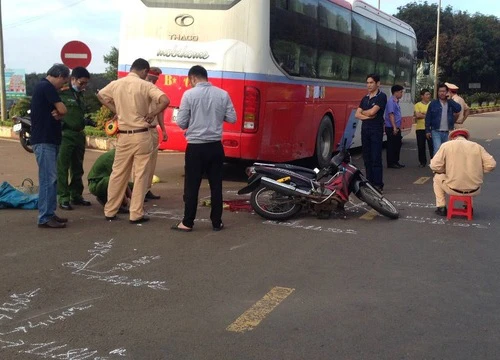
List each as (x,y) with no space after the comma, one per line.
(280,191)
(22,126)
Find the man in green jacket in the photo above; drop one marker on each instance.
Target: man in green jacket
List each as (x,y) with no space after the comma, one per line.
(99,180)
(72,149)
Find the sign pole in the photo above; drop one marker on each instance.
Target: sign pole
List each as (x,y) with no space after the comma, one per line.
(3,97)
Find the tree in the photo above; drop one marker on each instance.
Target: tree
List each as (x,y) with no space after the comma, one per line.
(469,46)
(112,60)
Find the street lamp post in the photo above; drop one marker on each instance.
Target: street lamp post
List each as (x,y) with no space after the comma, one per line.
(436,60)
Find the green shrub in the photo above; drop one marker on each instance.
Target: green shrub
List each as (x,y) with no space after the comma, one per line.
(101,116)
(92,131)
(20,108)
(7,123)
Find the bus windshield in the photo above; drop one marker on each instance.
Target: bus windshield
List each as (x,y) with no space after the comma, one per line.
(192,4)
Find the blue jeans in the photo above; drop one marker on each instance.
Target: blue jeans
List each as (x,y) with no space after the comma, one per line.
(46,158)
(438,137)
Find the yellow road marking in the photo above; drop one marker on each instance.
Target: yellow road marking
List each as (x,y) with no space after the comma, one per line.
(253,316)
(370,215)
(422,180)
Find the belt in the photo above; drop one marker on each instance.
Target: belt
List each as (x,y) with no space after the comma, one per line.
(133,131)
(465,192)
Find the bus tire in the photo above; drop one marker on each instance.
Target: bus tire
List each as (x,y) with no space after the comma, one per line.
(324,142)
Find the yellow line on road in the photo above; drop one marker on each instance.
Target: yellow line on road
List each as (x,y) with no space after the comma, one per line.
(253,316)
(370,215)
(422,180)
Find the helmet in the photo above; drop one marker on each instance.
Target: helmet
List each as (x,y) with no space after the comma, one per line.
(111,127)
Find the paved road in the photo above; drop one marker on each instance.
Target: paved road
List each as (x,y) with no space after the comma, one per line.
(366,287)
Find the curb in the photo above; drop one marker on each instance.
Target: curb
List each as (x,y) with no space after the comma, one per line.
(92,142)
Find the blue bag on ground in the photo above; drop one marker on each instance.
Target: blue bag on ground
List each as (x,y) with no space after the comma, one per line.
(10,197)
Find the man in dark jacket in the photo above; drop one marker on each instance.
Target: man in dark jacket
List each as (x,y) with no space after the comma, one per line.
(440,117)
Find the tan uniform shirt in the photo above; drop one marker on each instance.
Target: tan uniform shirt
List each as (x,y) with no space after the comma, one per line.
(132,97)
(463,105)
(463,162)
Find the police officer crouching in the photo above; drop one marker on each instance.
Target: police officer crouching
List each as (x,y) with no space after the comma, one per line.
(72,149)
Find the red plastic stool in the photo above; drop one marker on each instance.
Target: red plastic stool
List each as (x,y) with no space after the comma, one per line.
(461,211)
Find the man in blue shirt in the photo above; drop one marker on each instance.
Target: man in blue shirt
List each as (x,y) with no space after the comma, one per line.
(202,112)
(47,110)
(392,118)
(440,117)
(371,113)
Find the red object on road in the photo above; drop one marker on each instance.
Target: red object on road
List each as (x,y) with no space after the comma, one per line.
(75,53)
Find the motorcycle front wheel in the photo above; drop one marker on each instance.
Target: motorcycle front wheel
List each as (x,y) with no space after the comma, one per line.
(24,138)
(374,199)
(272,205)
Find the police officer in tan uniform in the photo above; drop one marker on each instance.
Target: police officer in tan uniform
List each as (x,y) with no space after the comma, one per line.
(464,113)
(130,98)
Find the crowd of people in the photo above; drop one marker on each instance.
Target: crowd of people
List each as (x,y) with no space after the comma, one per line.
(58,118)
(58,122)
(458,166)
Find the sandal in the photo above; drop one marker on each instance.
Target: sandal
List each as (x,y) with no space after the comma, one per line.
(176,227)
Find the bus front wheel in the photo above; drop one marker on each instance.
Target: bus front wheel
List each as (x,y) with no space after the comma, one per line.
(324,143)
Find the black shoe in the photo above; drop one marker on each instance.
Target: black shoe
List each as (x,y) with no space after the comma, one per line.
(66,206)
(111,218)
(218,228)
(59,219)
(140,220)
(380,189)
(422,165)
(441,211)
(400,165)
(394,166)
(81,202)
(150,195)
(52,224)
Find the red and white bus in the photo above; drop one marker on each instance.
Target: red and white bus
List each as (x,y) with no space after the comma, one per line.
(295,69)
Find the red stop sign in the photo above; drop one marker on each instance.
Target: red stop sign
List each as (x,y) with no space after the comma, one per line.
(75,53)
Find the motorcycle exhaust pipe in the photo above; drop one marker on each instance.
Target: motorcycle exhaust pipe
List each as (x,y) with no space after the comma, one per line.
(284,189)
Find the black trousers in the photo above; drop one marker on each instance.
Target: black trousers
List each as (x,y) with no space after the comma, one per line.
(394,142)
(203,159)
(421,140)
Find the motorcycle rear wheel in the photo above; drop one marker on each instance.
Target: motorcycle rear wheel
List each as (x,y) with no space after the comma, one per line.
(24,138)
(272,205)
(378,202)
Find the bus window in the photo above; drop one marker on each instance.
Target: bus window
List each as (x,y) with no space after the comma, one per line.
(386,54)
(404,67)
(307,62)
(360,67)
(387,73)
(333,65)
(364,47)
(287,56)
(305,7)
(279,3)
(334,17)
